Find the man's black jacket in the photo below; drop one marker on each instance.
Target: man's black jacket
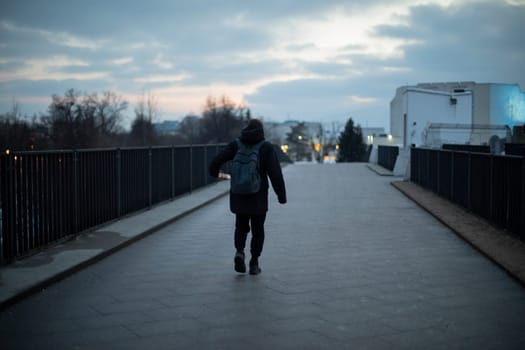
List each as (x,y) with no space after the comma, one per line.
(269,167)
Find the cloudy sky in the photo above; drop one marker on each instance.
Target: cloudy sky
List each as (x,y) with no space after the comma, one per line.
(314,60)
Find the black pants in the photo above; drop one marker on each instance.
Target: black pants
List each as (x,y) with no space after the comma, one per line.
(242,227)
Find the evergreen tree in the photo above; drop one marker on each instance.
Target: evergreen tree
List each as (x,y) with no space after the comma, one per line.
(351,145)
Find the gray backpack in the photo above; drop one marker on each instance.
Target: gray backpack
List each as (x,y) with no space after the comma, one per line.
(245,176)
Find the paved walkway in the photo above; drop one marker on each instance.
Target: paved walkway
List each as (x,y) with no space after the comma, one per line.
(349,263)
(31,274)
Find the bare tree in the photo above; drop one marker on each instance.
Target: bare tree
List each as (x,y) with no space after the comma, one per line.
(61,120)
(15,130)
(108,117)
(79,121)
(190,129)
(222,120)
(143,132)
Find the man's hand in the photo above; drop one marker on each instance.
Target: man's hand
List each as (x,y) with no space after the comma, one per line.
(224,176)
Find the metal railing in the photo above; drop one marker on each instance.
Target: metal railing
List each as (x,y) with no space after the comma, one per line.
(491,186)
(467,148)
(387,155)
(46,197)
(516,149)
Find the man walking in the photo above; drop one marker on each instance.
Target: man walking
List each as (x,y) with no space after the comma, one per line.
(250,208)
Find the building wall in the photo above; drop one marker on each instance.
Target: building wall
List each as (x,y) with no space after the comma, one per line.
(481,104)
(433,107)
(507,105)
(396,113)
(369,134)
(490,105)
(423,107)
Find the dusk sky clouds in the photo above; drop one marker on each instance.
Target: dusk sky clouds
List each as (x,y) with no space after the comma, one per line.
(315,60)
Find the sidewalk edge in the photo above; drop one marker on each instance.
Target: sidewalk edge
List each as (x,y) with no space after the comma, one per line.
(45,282)
(504,250)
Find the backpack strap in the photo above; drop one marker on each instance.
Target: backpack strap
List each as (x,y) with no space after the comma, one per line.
(255,146)
(258,145)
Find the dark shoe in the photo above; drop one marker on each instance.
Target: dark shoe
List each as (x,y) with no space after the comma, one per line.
(240,266)
(254,267)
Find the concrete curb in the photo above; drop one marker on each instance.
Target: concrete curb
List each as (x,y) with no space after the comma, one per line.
(30,275)
(504,250)
(379,170)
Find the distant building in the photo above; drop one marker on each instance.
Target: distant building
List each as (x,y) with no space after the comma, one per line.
(169,127)
(311,138)
(458,112)
(277,132)
(369,134)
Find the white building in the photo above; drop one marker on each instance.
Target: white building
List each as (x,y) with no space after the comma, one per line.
(414,109)
(433,114)
(463,112)
(369,134)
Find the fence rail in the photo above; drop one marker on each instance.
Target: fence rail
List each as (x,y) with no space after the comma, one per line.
(516,149)
(467,148)
(46,197)
(491,186)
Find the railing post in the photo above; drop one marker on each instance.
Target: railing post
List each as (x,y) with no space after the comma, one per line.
(119,183)
(149,177)
(216,153)
(172,171)
(76,185)
(3,196)
(452,176)
(491,188)
(438,180)
(8,210)
(469,172)
(429,185)
(205,162)
(522,215)
(413,163)
(419,165)
(191,168)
